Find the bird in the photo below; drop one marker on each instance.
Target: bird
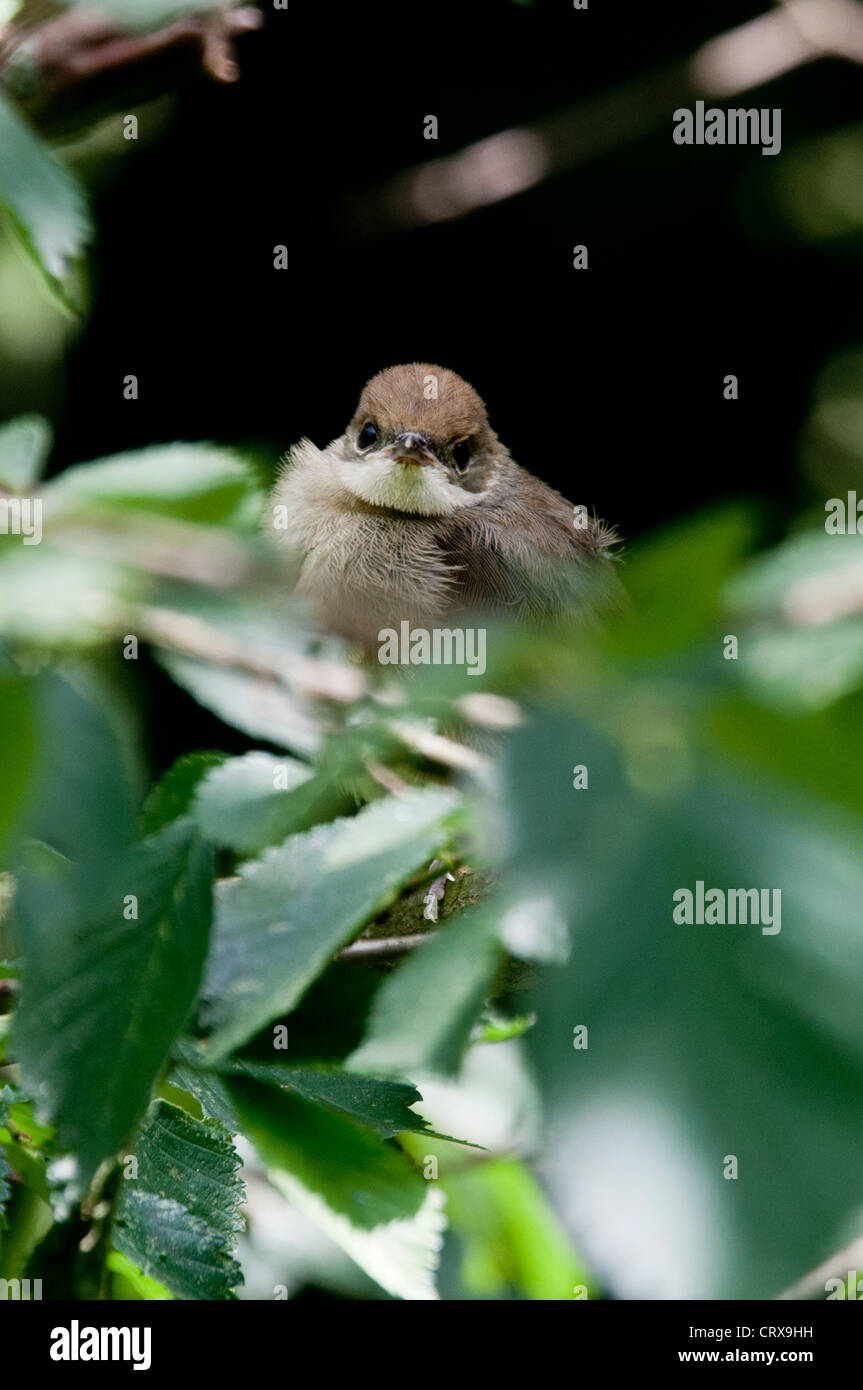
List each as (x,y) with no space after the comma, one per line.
(418,513)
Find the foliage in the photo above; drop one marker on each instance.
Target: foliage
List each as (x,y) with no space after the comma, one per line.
(184,941)
(213,973)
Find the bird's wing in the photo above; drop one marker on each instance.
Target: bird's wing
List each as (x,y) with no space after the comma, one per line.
(535,555)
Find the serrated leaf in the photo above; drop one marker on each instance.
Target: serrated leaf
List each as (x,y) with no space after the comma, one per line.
(161,1237)
(423,1013)
(44,200)
(25,444)
(103,997)
(192,1162)
(279,922)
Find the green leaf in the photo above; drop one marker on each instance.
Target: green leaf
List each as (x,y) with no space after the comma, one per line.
(128,1277)
(17,752)
(493,1027)
(803,648)
(511,1239)
(279,923)
(189,1161)
(5,1191)
(704,1040)
(253,704)
(423,1013)
(241,806)
(675,581)
(360,1190)
(379,1105)
(85,760)
(189,482)
(103,997)
(25,444)
(173,794)
(55,598)
(206,1087)
(46,204)
(163,1239)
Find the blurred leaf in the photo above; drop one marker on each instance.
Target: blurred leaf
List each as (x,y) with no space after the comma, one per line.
(147,15)
(810,578)
(351,1168)
(17,752)
(511,1238)
(279,923)
(804,649)
(85,760)
(45,202)
(251,703)
(818,188)
(359,1189)
(257,800)
(5,1191)
(103,997)
(423,1013)
(190,482)
(128,1277)
(174,793)
(803,668)
(807,751)
(57,599)
(493,1027)
(704,1041)
(25,444)
(675,583)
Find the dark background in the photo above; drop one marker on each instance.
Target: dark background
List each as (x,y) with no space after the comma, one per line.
(607,383)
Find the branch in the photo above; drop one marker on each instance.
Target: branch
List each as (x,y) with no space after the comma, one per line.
(46,57)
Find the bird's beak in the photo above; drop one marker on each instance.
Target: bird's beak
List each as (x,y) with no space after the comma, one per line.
(411,447)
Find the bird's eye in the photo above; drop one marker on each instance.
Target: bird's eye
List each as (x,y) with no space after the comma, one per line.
(367,435)
(461,454)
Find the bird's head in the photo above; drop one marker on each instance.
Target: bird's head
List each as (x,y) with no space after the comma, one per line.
(419,442)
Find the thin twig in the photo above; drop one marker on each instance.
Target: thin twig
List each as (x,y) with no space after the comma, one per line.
(379,947)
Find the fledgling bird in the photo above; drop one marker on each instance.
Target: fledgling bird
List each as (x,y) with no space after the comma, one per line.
(417,512)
